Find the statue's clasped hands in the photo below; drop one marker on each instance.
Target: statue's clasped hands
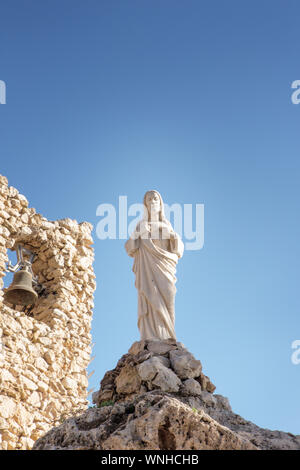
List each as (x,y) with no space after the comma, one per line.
(153,229)
(166,230)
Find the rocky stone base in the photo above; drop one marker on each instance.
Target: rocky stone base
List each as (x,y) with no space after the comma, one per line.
(154,365)
(157,397)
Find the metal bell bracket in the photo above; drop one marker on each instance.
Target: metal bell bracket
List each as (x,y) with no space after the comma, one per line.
(23,263)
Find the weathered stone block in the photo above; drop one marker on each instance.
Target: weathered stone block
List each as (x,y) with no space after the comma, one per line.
(184,364)
(128,381)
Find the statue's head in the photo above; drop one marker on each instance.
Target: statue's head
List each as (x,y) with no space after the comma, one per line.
(154,204)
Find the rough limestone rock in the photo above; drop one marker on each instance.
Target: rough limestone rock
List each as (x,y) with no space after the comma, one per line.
(161,376)
(184,364)
(149,422)
(144,404)
(128,381)
(192,387)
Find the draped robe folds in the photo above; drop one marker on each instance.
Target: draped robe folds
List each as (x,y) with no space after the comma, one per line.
(155,279)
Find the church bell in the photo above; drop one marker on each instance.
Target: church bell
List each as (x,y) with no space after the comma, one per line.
(21,292)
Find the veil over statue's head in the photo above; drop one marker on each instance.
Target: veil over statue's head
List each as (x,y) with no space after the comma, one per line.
(147,215)
(143,227)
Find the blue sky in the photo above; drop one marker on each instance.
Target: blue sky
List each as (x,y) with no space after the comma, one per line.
(110,98)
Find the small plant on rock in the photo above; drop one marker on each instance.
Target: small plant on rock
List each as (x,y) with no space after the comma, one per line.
(106,403)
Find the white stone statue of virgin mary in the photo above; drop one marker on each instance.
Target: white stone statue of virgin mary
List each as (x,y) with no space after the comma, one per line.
(155,248)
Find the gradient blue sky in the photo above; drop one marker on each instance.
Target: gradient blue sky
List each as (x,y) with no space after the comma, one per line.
(192,98)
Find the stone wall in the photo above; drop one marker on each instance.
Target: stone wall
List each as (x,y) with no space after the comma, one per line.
(44,350)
